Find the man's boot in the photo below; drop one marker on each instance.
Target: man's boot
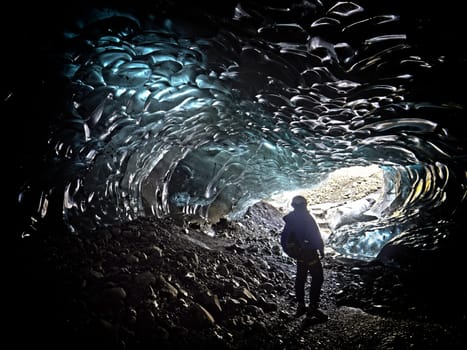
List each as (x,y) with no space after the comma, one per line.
(301,310)
(315,313)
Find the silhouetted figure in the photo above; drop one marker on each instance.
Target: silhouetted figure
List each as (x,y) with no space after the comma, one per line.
(301,239)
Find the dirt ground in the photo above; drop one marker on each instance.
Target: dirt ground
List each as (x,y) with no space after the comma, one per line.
(152,284)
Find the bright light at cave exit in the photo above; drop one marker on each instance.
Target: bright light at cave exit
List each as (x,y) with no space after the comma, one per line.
(330,192)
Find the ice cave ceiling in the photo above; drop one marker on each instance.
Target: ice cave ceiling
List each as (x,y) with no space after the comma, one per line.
(201,111)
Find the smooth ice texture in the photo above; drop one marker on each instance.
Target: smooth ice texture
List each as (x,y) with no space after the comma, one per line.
(164,119)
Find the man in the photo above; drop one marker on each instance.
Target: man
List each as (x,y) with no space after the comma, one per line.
(301,239)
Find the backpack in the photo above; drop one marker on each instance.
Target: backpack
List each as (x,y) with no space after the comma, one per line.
(300,251)
(292,248)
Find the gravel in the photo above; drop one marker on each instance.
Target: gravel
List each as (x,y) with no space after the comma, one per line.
(155,284)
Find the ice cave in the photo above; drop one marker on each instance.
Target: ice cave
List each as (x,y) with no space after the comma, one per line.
(195,112)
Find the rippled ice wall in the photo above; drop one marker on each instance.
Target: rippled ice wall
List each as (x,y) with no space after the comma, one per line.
(164,116)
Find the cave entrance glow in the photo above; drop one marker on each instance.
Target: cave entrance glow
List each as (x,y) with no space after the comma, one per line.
(344,201)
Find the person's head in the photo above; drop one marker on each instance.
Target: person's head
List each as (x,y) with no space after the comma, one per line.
(299,202)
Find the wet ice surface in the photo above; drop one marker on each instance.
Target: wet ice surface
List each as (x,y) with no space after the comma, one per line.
(165,117)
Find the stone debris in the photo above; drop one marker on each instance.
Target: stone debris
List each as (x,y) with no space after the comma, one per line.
(159,290)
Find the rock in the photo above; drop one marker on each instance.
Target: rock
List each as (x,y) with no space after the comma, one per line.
(154,252)
(223,270)
(350,213)
(96,274)
(276,249)
(193,258)
(267,286)
(211,303)
(232,305)
(145,278)
(245,294)
(131,259)
(166,289)
(112,299)
(199,317)
(267,306)
(161,333)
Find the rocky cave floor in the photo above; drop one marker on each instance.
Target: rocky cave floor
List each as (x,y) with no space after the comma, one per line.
(151,284)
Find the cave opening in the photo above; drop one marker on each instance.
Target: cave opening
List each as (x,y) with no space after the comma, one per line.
(347,196)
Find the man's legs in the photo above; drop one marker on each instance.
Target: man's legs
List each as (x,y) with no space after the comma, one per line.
(300,281)
(316,272)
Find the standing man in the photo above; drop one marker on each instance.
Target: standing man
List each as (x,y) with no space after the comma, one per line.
(301,240)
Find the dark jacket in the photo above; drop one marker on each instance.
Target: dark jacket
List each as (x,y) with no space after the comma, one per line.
(301,227)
